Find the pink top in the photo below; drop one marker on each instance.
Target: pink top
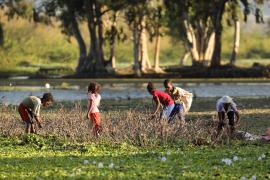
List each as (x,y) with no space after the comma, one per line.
(164,98)
(95,98)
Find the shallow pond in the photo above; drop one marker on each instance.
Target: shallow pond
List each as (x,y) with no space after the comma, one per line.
(12,91)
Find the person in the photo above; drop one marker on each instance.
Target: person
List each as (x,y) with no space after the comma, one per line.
(161,99)
(29,109)
(93,113)
(182,99)
(226,106)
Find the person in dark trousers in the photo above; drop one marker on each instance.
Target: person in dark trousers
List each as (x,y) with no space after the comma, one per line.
(29,109)
(227,108)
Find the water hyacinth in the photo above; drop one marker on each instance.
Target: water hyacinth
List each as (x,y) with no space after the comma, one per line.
(235,158)
(111,165)
(85,162)
(94,162)
(227,161)
(253,177)
(243,178)
(100,165)
(261,157)
(163,159)
(168,152)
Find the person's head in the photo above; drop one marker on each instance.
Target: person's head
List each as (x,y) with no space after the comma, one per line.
(47,99)
(226,100)
(150,87)
(94,87)
(168,84)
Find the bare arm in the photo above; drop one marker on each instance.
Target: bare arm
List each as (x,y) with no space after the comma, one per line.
(89,109)
(157,105)
(38,119)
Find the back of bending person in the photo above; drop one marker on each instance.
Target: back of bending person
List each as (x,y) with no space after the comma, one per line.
(161,99)
(29,109)
(182,99)
(226,106)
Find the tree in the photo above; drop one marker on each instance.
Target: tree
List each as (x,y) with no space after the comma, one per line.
(14,8)
(70,13)
(192,21)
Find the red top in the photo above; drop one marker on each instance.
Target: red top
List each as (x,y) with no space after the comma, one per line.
(164,98)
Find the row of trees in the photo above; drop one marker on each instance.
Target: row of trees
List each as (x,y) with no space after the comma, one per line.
(197,23)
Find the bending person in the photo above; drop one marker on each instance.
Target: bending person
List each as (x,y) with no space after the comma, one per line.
(29,109)
(161,99)
(226,107)
(182,99)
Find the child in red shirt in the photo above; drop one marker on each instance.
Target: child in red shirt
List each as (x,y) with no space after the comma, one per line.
(93,113)
(161,99)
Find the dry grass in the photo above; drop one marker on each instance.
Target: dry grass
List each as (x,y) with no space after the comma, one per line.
(130,126)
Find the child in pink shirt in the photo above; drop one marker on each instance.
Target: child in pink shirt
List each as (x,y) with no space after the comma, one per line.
(93,113)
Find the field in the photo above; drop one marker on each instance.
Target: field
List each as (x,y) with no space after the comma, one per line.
(132,145)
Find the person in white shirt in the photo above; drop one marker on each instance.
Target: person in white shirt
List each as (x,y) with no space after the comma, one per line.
(182,99)
(226,106)
(93,113)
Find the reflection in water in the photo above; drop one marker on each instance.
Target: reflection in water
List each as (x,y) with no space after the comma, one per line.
(132,90)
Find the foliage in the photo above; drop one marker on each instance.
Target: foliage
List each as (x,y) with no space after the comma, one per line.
(59,156)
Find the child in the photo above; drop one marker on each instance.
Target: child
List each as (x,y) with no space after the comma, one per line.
(93,104)
(226,106)
(30,108)
(161,98)
(181,97)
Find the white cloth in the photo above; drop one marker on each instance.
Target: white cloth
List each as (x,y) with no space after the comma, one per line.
(186,97)
(220,106)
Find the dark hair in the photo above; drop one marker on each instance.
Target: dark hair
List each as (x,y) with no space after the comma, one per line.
(150,87)
(166,82)
(94,87)
(48,97)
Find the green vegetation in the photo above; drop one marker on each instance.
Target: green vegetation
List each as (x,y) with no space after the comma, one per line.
(129,148)
(126,161)
(30,46)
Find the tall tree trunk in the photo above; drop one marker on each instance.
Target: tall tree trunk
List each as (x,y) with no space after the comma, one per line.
(157,51)
(219,11)
(136,45)
(210,47)
(99,24)
(145,63)
(112,42)
(184,58)
(1,35)
(236,42)
(95,52)
(192,41)
(82,47)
